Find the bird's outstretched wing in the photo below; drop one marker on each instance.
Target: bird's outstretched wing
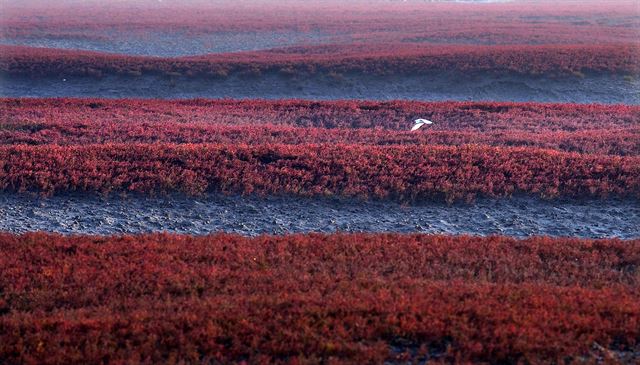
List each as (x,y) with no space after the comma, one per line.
(416,126)
(424,121)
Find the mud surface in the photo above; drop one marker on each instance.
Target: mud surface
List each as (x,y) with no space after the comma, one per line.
(588,89)
(518,216)
(169,43)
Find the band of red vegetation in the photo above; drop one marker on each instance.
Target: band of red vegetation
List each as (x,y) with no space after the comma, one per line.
(364,21)
(359,298)
(334,60)
(343,148)
(406,173)
(593,129)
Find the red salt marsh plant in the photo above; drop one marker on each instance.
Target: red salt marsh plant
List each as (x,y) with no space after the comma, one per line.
(364,21)
(399,59)
(387,115)
(605,142)
(358,298)
(405,173)
(594,129)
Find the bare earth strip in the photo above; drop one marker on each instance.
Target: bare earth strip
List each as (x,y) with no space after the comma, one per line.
(519,216)
(608,89)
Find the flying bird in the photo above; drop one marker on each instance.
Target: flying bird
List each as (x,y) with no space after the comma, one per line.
(420,123)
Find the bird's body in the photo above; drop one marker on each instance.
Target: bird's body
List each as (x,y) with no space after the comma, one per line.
(419,123)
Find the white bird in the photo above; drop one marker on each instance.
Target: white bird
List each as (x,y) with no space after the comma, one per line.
(420,123)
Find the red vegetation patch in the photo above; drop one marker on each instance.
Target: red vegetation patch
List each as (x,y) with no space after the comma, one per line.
(333,60)
(594,129)
(317,298)
(405,173)
(531,22)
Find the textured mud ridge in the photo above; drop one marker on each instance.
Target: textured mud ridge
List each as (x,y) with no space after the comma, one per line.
(519,216)
(441,86)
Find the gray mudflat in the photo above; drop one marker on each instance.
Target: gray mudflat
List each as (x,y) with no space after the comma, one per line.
(518,216)
(441,86)
(168,43)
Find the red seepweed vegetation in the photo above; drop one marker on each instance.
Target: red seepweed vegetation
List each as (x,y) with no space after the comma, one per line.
(406,173)
(398,59)
(358,298)
(384,22)
(325,298)
(593,129)
(342,148)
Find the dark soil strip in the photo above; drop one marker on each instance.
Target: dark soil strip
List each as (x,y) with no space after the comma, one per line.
(519,216)
(440,86)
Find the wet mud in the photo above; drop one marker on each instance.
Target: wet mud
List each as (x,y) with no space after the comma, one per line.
(169,43)
(608,89)
(518,216)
